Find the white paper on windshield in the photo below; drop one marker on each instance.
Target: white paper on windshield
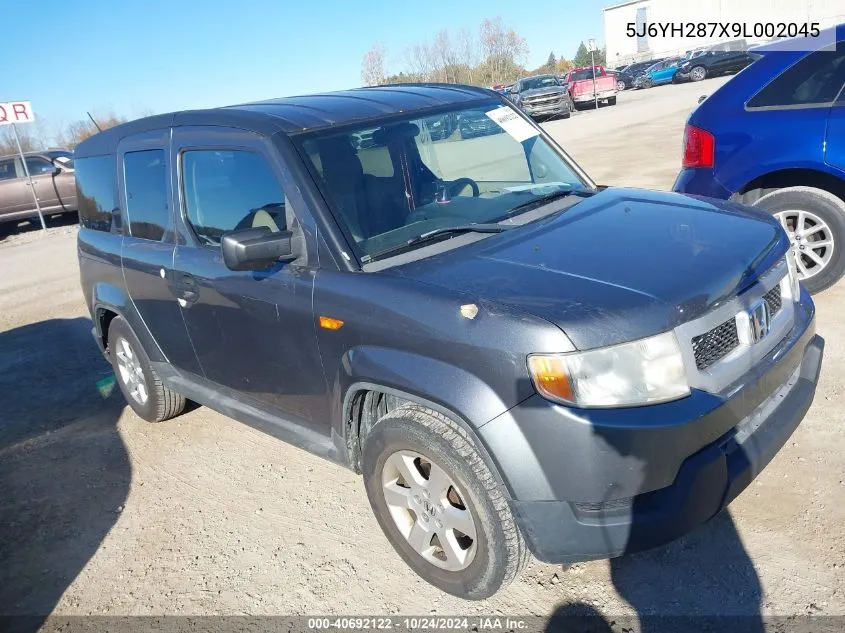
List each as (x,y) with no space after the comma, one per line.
(507,118)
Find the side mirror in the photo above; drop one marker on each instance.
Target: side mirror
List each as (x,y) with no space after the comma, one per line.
(256,249)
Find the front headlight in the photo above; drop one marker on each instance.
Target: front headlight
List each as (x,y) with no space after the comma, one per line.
(794,282)
(646,371)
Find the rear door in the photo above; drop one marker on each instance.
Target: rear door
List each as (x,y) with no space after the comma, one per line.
(253,331)
(835,145)
(15,195)
(149,241)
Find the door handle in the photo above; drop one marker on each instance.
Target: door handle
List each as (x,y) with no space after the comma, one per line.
(188,291)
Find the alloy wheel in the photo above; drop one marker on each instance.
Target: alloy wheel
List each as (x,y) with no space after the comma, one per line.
(811,241)
(697,73)
(429,510)
(620,85)
(131,373)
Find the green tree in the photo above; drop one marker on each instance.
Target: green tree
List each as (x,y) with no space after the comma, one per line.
(551,62)
(582,56)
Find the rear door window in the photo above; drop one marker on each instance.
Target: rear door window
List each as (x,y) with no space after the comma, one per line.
(814,80)
(145,176)
(7,169)
(226,190)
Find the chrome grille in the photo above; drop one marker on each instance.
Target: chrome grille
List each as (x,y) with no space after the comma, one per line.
(714,345)
(544,99)
(774,300)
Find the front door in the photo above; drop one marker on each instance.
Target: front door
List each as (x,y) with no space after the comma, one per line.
(253,332)
(42,171)
(149,241)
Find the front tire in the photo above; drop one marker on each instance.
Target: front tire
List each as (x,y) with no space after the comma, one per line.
(439,504)
(620,85)
(814,219)
(142,387)
(698,73)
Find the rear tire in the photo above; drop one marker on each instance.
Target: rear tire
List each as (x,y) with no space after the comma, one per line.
(142,387)
(611,101)
(821,219)
(430,449)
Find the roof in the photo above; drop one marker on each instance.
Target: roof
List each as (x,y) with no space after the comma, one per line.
(291,115)
(623,4)
(39,152)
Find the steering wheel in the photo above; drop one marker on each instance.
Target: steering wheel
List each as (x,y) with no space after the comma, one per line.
(454,187)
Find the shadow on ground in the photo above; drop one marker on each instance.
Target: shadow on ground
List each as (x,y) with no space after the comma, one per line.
(11,229)
(704,581)
(64,470)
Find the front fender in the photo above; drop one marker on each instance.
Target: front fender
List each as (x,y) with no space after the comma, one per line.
(453,390)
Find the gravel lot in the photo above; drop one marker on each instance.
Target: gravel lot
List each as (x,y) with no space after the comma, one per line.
(102,513)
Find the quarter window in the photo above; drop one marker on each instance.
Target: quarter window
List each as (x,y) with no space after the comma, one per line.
(145,175)
(225,190)
(815,79)
(95,192)
(7,169)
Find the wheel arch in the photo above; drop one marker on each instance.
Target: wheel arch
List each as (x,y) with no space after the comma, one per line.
(366,401)
(761,185)
(108,302)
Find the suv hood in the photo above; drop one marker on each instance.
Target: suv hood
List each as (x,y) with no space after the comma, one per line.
(617,266)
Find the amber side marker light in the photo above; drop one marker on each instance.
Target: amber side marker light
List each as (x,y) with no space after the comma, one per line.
(328,323)
(550,377)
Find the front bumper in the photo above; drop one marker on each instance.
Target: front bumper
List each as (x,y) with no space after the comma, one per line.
(556,108)
(625,480)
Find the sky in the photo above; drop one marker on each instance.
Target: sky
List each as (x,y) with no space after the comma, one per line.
(134,57)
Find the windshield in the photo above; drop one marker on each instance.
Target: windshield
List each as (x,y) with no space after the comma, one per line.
(582,74)
(533,83)
(389,184)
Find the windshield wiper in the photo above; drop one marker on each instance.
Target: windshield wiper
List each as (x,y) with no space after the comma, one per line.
(430,235)
(541,200)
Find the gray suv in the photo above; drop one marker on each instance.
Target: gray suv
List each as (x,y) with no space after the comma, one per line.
(52,176)
(516,360)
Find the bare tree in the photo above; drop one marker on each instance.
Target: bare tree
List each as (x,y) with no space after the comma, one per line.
(467,53)
(29,142)
(76,132)
(372,66)
(420,60)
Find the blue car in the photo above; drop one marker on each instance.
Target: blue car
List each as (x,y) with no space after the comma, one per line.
(662,72)
(774,137)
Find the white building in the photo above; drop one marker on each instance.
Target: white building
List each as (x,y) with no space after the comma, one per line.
(626,25)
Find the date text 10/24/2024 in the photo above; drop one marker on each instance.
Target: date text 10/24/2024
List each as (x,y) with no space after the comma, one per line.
(723,29)
(420,623)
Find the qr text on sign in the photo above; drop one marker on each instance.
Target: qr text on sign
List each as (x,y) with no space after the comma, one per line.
(16,112)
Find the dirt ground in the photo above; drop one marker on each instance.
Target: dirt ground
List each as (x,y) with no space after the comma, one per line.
(102,513)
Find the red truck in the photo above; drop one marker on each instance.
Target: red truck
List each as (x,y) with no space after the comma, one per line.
(580,84)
